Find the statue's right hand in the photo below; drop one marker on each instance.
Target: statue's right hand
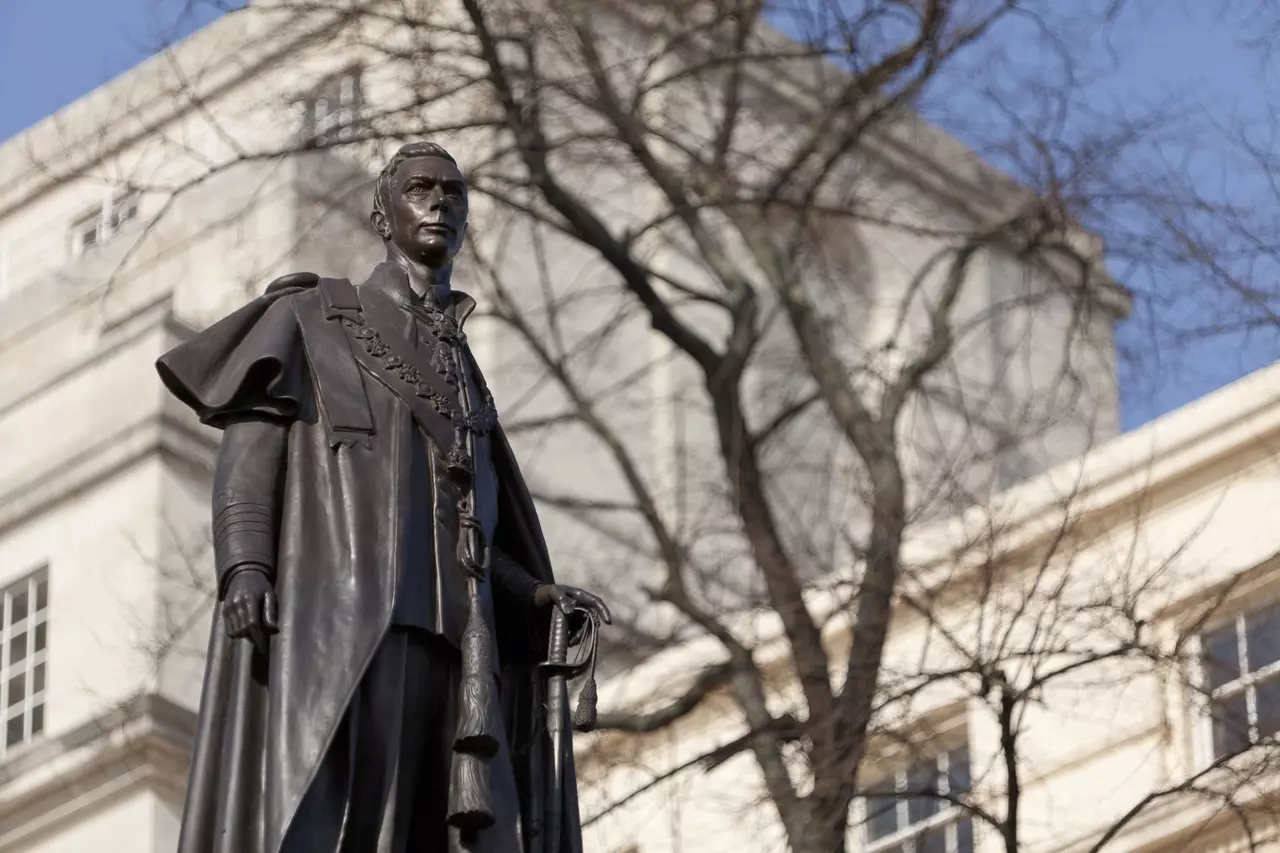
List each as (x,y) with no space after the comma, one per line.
(249,608)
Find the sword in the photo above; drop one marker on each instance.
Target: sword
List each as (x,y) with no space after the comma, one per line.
(558,671)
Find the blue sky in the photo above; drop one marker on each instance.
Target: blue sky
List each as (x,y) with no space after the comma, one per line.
(53,51)
(1191,57)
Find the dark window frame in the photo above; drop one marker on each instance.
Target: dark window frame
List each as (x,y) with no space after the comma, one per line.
(24,649)
(1239,660)
(920,824)
(94,229)
(333,112)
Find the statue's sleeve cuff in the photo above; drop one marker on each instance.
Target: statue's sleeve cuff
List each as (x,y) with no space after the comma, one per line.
(243,534)
(225,583)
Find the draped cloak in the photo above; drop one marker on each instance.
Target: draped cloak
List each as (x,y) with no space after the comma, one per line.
(341,515)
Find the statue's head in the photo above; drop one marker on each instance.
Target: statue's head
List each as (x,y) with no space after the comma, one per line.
(420,204)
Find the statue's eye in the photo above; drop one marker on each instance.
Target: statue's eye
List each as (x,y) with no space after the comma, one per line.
(415,189)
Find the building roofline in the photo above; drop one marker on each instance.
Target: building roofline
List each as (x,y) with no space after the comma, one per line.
(1233,420)
(915,161)
(142,99)
(923,155)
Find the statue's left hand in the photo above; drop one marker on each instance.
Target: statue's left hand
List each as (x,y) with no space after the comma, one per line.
(569,597)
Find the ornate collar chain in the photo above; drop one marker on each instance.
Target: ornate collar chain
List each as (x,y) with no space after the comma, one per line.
(446,348)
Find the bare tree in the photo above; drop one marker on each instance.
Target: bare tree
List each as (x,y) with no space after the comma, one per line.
(755,318)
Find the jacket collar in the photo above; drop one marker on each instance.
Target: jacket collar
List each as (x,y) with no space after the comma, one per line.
(391,281)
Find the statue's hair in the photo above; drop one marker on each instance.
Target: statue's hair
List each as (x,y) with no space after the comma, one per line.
(411,151)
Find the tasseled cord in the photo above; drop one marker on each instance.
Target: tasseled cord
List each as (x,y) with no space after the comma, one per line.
(584,715)
(479,724)
(470,792)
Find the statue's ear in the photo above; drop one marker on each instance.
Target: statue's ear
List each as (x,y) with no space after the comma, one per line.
(378,220)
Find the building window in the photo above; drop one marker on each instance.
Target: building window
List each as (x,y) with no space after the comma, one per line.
(909,811)
(23,643)
(101,225)
(1240,666)
(333,112)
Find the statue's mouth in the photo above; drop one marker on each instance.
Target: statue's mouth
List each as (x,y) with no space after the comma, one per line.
(437,227)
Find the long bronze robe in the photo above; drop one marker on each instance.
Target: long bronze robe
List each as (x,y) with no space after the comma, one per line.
(340,518)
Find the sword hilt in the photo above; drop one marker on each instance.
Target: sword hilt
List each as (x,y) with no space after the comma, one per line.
(558,645)
(559,665)
(557,662)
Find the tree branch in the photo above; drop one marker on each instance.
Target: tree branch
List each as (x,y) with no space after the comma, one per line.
(708,681)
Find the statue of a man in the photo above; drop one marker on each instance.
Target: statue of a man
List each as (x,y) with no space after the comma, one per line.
(384,583)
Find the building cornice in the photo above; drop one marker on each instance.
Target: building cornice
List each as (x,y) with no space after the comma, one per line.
(145,744)
(1174,821)
(165,434)
(115,336)
(1235,421)
(1240,419)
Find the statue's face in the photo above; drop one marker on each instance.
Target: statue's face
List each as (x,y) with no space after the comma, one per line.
(427,211)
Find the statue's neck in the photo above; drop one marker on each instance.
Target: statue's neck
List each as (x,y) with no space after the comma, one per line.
(423,279)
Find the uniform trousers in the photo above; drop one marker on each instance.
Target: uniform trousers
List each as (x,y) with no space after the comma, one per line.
(393,756)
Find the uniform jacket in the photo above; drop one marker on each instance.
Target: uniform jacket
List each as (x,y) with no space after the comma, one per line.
(339,509)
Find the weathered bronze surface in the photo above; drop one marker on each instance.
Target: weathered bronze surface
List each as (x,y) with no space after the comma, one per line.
(384,584)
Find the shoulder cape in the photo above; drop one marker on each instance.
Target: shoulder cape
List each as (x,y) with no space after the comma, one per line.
(248,363)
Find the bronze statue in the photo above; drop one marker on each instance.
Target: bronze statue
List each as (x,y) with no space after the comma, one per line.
(385,589)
